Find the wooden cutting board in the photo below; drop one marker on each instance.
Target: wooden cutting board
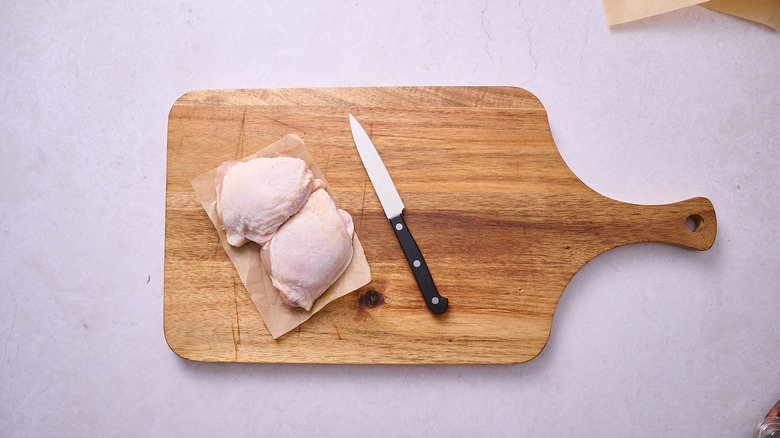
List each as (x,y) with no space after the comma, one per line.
(501,220)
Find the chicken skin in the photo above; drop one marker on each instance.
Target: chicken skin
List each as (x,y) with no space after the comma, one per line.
(310,251)
(255,197)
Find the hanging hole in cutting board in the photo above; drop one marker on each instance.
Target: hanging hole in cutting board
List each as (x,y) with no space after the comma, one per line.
(694,223)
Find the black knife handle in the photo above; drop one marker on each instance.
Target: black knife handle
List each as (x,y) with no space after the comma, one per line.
(435,302)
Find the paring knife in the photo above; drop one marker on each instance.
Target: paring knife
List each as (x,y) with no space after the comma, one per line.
(393,206)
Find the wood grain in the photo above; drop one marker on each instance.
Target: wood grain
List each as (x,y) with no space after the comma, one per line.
(502,221)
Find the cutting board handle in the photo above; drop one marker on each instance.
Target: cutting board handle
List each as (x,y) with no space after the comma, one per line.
(690,224)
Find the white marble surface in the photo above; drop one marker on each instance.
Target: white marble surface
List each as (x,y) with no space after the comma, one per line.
(648,340)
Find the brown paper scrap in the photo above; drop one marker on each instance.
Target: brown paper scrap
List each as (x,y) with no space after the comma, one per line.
(761,11)
(623,11)
(279,318)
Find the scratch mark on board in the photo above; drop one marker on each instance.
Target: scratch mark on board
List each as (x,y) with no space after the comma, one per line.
(178,149)
(362,205)
(235,328)
(240,145)
(216,248)
(286,125)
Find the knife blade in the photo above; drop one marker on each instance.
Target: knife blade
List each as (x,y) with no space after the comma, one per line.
(393,207)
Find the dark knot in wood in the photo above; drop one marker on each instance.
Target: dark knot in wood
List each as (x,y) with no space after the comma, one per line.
(371,299)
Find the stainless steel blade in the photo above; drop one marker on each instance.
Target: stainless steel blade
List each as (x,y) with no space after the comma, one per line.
(377,172)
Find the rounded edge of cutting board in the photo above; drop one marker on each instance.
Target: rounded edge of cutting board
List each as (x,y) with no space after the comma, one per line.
(175,348)
(408,96)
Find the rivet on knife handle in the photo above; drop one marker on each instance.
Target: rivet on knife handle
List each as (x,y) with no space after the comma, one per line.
(435,302)
(393,206)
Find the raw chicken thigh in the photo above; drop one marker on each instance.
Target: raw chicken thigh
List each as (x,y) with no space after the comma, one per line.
(310,251)
(255,197)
